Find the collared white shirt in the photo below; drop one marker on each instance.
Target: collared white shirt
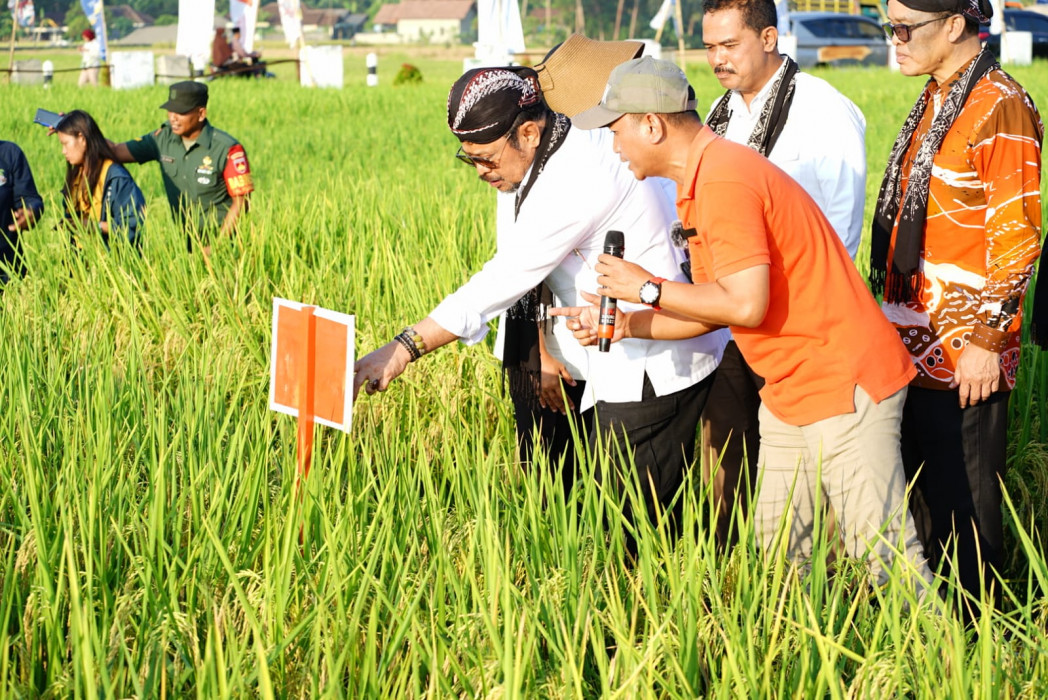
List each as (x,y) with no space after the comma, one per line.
(584,192)
(822,147)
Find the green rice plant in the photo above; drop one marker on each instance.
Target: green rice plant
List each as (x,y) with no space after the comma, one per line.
(153,542)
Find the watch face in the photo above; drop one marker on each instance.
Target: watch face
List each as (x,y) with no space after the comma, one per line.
(649,293)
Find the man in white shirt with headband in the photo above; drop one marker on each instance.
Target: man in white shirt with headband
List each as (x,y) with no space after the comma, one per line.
(560,190)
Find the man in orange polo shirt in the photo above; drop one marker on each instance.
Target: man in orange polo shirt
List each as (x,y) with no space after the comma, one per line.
(836,372)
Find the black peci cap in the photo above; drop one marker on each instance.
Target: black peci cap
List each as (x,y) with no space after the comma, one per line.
(186,96)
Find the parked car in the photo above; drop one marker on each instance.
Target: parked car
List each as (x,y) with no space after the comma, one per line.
(835,39)
(1023,21)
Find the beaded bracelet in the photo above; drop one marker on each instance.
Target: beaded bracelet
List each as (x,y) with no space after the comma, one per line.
(412,342)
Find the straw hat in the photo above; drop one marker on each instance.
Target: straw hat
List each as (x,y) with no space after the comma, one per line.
(573,75)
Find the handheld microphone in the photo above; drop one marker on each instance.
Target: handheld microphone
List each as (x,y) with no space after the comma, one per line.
(614,243)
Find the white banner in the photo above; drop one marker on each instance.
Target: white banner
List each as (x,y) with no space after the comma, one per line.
(245,16)
(131,69)
(321,66)
(291,20)
(196,29)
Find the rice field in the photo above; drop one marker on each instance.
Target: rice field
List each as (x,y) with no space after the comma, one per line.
(151,540)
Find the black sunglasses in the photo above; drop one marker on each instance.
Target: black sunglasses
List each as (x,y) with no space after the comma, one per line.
(474,161)
(905,31)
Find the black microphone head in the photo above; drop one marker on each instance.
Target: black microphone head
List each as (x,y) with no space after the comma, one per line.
(614,243)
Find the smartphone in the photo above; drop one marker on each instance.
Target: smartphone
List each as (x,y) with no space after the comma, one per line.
(48,119)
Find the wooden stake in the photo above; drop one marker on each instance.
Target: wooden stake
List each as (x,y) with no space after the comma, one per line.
(679,13)
(618,20)
(11,55)
(305,410)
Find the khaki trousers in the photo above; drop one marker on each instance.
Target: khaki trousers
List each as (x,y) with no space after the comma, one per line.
(853,464)
(88,76)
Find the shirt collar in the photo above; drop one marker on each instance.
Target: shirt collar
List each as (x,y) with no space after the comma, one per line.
(205,135)
(939,92)
(203,139)
(686,189)
(762,95)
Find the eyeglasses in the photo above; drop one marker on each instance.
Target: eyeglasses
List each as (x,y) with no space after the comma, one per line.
(487,163)
(904,32)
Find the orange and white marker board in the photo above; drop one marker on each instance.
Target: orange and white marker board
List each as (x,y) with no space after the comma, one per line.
(311,364)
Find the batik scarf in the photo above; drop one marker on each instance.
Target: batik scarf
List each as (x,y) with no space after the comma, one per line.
(773,114)
(905,281)
(521,360)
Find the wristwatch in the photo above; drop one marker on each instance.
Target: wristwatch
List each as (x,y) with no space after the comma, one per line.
(651,292)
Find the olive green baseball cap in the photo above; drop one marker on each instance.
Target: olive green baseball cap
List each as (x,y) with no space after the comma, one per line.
(640,86)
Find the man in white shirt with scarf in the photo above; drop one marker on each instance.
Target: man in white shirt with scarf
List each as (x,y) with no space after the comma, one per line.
(560,190)
(806,127)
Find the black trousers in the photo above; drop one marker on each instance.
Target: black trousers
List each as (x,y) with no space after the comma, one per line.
(541,428)
(956,501)
(731,441)
(660,433)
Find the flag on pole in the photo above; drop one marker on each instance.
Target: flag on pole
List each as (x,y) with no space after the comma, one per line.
(245,16)
(291,20)
(782,11)
(500,34)
(196,26)
(22,12)
(664,13)
(96,17)
(997,21)
(677,28)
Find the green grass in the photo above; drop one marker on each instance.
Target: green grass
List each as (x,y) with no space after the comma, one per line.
(149,529)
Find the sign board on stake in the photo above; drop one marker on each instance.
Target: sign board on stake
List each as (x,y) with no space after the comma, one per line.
(311,370)
(333,362)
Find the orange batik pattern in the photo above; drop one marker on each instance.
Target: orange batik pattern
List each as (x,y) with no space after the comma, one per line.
(982,233)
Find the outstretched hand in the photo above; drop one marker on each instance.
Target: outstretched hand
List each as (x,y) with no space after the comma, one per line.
(582,321)
(376,370)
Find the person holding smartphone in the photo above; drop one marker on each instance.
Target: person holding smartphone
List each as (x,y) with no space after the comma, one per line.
(99,193)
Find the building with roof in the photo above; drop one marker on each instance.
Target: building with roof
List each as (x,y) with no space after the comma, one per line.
(136,18)
(318,23)
(428,20)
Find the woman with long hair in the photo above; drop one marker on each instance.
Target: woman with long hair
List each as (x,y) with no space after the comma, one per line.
(99,193)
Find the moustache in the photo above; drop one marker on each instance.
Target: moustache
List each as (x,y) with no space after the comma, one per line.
(723,69)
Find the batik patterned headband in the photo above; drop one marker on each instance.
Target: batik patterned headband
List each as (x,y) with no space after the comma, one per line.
(484,102)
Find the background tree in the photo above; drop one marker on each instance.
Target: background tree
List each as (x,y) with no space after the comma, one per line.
(75,22)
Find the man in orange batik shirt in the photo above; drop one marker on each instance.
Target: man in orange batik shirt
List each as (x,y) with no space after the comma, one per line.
(955,238)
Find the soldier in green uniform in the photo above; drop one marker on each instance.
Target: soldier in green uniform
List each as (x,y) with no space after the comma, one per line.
(206,173)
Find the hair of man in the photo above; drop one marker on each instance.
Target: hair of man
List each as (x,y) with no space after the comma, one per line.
(677,120)
(756,14)
(538,113)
